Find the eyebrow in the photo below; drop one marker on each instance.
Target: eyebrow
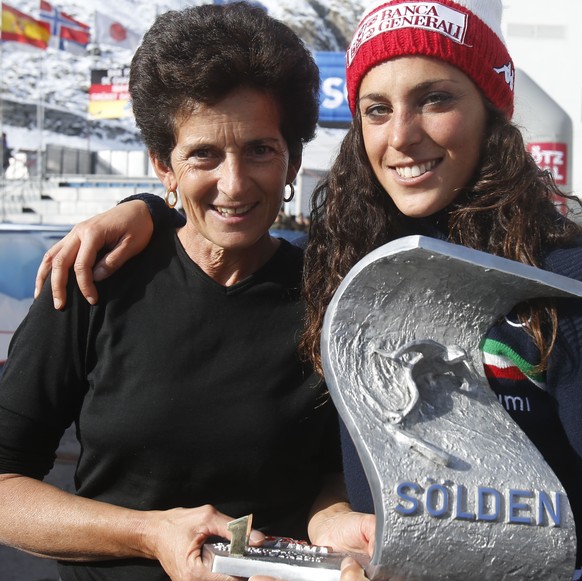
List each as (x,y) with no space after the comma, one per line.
(263,140)
(205,144)
(416,89)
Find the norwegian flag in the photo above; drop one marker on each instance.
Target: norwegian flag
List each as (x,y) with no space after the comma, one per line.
(69,34)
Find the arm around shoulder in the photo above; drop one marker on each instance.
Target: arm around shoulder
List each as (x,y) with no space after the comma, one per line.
(121,233)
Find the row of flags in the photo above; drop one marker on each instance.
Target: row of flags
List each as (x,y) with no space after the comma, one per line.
(109,89)
(57,29)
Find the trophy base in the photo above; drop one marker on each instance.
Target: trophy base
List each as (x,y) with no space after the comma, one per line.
(279,558)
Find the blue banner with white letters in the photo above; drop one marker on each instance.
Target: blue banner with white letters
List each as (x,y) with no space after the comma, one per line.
(334,110)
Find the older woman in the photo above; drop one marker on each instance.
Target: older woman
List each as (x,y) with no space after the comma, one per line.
(190,402)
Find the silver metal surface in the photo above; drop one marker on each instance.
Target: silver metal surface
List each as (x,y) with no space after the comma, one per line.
(459,491)
(279,558)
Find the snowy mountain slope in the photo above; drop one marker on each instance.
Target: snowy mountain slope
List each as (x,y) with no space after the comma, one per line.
(59,80)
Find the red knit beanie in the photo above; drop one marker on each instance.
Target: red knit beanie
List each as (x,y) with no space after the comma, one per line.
(463,33)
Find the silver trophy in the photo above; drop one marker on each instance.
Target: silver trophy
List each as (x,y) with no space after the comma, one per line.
(459,491)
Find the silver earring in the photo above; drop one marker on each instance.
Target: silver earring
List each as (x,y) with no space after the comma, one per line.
(291,195)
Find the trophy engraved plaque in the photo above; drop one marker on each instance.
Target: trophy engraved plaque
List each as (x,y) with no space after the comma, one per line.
(281,558)
(278,557)
(459,491)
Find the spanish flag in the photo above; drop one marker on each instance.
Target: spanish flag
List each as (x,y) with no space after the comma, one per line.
(19,27)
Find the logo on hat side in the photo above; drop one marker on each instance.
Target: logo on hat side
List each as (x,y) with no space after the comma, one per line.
(508,73)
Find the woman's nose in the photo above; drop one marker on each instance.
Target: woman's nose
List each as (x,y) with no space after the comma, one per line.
(231,176)
(404,130)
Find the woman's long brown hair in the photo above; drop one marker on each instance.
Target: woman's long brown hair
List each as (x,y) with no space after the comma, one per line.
(508,210)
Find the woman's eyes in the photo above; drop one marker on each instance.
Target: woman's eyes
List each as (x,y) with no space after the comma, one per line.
(377,110)
(209,155)
(201,154)
(438,99)
(432,100)
(261,150)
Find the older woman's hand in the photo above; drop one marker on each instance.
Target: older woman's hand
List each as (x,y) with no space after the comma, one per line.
(125,230)
(177,536)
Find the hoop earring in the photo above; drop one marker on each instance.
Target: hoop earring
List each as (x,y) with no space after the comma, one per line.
(291,195)
(171,198)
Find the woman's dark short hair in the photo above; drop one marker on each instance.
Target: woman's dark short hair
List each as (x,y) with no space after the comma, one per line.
(203,53)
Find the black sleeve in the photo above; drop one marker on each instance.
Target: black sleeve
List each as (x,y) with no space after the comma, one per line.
(43,383)
(162,216)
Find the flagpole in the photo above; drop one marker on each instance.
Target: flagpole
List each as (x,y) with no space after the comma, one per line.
(3,181)
(40,121)
(88,113)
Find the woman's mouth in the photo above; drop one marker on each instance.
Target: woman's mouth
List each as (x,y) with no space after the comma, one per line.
(227,211)
(416,170)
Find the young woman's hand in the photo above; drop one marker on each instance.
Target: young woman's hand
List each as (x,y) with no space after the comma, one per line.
(122,232)
(351,571)
(345,531)
(333,523)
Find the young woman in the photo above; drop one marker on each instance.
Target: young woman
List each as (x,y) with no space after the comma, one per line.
(432,151)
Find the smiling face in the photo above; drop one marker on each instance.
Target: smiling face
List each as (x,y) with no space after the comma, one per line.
(230,166)
(423,123)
